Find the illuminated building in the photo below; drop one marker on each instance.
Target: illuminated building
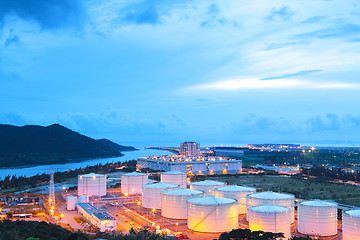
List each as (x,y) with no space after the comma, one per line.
(190,149)
(191,165)
(97,217)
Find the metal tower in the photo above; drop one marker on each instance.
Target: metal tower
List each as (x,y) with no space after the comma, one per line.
(52,189)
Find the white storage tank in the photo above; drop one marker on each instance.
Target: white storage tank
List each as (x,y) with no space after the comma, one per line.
(174,177)
(71,203)
(271,198)
(351,225)
(83,199)
(236,192)
(131,183)
(208,186)
(270,218)
(317,218)
(212,214)
(92,185)
(173,202)
(152,194)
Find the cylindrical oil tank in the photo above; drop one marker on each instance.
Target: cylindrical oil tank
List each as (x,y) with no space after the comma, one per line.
(317,218)
(92,185)
(212,214)
(271,198)
(83,199)
(173,202)
(270,218)
(174,177)
(71,203)
(351,225)
(208,186)
(152,194)
(132,183)
(236,192)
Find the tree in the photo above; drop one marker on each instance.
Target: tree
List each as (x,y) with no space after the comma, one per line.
(241,234)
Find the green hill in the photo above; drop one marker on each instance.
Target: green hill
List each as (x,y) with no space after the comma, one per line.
(36,145)
(116,146)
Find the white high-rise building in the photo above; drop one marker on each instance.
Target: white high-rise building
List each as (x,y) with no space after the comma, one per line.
(190,149)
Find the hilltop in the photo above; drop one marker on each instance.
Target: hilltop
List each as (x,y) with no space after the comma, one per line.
(37,145)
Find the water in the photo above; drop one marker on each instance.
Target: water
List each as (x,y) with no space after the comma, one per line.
(31,171)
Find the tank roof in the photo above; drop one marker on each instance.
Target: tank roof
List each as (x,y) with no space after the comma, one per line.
(269,209)
(161,185)
(173,173)
(92,175)
(212,200)
(208,183)
(135,174)
(353,213)
(71,197)
(236,188)
(271,195)
(318,203)
(182,192)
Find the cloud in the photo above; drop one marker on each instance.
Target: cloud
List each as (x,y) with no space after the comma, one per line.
(48,14)
(252,83)
(282,13)
(314,19)
(146,12)
(342,31)
(329,122)
(290,75)
(12,40)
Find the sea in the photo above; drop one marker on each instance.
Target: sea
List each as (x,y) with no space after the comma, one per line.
(31,171)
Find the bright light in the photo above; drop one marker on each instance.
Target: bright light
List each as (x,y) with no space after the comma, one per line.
(176,224)
(126,194)
(153,209)
(138,203)
(61,215)
(50,200)
(312,148)
(64,187)
(52,207)
(133,190)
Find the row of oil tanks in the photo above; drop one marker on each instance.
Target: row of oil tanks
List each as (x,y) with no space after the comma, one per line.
(211,206)
(71,202)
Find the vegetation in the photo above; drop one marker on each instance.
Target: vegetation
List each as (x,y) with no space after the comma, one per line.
(31,230)
(37,145)
(14,182)
(143,234)
(116,146)
(334,173)
(23,230)
(241,234)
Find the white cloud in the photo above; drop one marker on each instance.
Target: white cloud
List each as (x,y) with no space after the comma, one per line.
(253,83)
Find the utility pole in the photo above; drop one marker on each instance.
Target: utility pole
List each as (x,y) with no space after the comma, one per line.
(52,189)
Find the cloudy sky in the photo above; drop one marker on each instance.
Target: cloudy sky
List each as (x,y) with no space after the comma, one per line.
(160,72)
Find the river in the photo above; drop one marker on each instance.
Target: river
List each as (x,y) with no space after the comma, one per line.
(31,171)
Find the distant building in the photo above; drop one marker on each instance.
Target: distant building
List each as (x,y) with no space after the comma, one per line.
(191,165)
(273,146)
(98,218)
(190,149)
(228,151)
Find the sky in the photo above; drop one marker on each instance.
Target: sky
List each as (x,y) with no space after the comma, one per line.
(156,72)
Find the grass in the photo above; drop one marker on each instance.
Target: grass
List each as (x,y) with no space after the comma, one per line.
(311,188)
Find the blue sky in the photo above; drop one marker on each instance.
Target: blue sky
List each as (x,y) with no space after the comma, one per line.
(160,72)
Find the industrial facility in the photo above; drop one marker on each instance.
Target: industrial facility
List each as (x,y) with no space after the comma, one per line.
(208,207)
(92,185)
(97,217)
(191,165)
